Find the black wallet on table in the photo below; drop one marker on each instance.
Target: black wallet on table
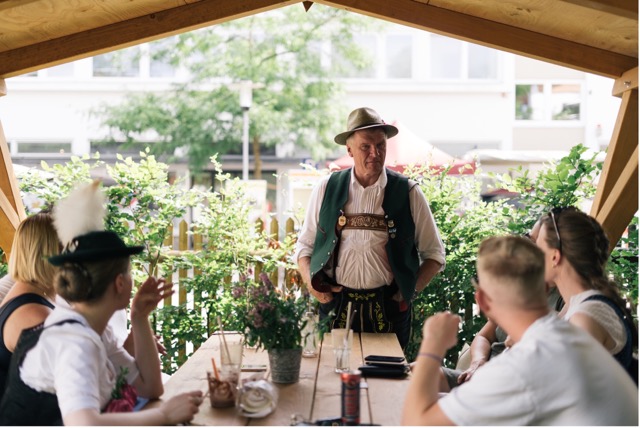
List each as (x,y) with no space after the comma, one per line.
(386,371)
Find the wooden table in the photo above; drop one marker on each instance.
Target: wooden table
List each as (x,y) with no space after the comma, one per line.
(316,395)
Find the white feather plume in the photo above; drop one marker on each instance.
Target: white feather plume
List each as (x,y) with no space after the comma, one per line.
(81,212)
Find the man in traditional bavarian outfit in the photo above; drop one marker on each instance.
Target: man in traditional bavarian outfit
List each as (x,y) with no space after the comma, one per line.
(369,236)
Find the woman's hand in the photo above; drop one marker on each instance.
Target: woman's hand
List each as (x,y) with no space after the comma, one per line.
(466,375)
(181,408)
(150,293)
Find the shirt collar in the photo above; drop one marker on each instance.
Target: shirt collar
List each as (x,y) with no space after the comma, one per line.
(381,182)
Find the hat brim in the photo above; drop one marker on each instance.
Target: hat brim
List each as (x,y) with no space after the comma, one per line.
(390,130)
(94,255)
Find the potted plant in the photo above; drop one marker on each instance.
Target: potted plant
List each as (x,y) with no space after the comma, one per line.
(274,320)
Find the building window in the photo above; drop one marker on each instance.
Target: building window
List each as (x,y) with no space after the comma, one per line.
(362,67)
(122,63)
(483,62)
(548,102)
(398,56)
(446,58)
(453,59)
(159,64)
(565,102)
(44,147)
(529,102)
(62,70)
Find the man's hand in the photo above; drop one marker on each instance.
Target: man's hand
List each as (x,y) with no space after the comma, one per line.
(324,297)
(441,330)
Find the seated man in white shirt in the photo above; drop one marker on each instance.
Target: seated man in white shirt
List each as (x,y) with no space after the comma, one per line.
(554,374)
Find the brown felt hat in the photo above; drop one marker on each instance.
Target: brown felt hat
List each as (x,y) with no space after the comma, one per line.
(364,118)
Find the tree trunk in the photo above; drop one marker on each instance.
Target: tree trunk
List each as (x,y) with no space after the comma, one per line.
(257,162)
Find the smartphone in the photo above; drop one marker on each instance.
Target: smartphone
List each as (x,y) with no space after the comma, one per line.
(384,360)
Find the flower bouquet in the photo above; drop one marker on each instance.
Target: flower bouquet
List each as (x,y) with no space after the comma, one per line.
(274,320)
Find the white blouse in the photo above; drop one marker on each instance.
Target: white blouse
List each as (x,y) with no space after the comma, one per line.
(600,312)
(73,362)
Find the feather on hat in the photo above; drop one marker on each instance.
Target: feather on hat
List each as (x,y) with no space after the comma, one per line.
(79,221)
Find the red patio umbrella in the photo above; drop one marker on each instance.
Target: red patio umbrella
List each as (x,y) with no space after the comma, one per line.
(406,149)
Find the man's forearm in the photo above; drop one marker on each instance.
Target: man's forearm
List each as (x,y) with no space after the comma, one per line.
(304,267)
(428,269)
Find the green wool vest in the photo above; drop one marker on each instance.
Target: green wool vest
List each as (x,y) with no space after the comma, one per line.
(401,248)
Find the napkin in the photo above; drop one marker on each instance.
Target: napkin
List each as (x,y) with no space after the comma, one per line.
(257,398)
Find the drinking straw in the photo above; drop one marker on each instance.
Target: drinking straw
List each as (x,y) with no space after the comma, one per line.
(215,368)
(348,326)
(224,341)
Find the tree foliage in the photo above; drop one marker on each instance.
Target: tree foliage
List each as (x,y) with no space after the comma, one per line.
(283,52)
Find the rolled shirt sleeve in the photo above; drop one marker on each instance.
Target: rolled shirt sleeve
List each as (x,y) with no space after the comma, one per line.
(428,241)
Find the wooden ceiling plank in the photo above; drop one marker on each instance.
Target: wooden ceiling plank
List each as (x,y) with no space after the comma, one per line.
(8,182)
(623,142)
(622,8)
(495,35)
(12,4)
(3,87)
(629,80)
(622,203)
(128,33)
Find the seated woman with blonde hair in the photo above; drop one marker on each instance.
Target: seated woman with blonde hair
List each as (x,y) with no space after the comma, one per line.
(32,297)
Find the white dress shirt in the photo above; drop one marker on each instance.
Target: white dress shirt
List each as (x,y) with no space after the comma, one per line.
(362,259)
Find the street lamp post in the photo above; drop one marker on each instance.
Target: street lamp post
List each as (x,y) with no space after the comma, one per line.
(246,95)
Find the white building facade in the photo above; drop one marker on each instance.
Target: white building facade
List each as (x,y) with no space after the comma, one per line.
(462,98)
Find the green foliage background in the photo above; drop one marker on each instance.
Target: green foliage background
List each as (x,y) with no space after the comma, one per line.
(143,207)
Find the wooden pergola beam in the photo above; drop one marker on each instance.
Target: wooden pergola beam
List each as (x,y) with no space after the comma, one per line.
(616,200)
(622,203)
(492,34)
(128,33)
(12,210)
(628,80)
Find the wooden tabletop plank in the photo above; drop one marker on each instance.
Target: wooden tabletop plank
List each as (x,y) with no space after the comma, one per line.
(383,392)
(193,375)
(295,398)
(317,395)
(328,396)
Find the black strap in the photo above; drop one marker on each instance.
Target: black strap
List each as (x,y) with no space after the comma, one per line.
(21,300)
(21,404)
(625,356)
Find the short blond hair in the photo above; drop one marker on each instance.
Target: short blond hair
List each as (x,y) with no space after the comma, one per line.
(518,263)
(35,240)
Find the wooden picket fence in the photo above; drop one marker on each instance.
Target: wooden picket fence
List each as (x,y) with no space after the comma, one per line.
(181,245)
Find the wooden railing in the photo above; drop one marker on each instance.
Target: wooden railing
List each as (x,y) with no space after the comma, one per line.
(181,246)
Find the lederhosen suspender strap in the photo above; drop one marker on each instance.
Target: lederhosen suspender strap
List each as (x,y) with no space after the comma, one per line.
(21,404)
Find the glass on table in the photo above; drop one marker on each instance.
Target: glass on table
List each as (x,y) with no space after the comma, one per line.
(342,348)
(231,354)
(223,387)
